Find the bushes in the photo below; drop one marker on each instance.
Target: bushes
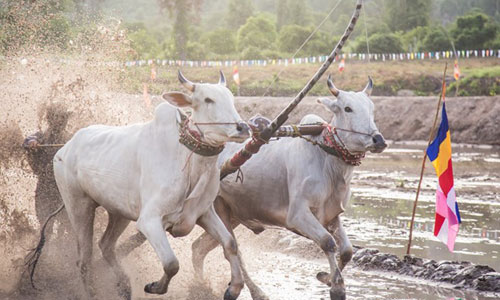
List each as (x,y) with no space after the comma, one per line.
(258,32)
(436,40)
(380,43)
(473,31)
(33,24)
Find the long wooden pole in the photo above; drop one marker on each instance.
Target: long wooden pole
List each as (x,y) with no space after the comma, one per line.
(232,165)
(441,96)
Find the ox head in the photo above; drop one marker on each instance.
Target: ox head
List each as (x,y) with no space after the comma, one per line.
(213,108)
(353,111)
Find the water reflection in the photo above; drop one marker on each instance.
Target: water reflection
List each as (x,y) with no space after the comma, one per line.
(384,190)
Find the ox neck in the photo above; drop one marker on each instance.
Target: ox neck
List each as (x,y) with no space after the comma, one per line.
(193,138)
(331,143)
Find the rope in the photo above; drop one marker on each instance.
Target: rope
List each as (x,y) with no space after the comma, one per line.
(301,46)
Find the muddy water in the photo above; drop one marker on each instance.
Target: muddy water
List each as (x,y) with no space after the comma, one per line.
(378,216)
(380,210)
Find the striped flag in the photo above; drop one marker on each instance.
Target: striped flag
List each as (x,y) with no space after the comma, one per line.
(236,75)
(456,71)
(342,65)
(447,214)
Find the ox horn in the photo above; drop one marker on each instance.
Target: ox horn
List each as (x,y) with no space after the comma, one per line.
(369,86)
(331,86)
(186,83)
(222,79)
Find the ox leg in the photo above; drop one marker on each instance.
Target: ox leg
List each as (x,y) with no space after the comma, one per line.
(116,226)
(212,224)
(340,236)
(152,228)
(200,248)
(206,243)
(345,248)
(81,212)
(304,222)
(133,242)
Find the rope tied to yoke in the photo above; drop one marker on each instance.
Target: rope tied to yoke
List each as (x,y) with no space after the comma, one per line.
(330,145)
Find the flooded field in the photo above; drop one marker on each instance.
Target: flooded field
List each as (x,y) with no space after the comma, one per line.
(283,264)
(378,216)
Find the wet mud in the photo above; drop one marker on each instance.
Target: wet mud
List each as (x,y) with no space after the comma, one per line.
(463,275)
(282,264)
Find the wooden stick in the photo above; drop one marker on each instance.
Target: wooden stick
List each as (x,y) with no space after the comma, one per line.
(431,134)
(233,164)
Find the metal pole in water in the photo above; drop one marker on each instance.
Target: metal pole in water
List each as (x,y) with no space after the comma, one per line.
(441,96)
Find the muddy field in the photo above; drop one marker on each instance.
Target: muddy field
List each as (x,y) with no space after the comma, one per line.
(283,264)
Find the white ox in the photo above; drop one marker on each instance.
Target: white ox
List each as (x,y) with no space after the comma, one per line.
(143,173)
(296,185)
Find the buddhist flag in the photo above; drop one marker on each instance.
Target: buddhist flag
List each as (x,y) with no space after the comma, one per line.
(342,65)
(456,71)
(236,75)
(447,214)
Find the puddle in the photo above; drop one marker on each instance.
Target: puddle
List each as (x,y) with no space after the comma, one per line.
(383,194)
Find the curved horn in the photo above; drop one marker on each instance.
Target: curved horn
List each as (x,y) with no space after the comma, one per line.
(186,83)
(369,86)
(222,79)
(331,86)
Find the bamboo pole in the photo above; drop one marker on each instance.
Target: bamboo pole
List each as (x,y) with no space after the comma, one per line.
(233,164)
(441,96)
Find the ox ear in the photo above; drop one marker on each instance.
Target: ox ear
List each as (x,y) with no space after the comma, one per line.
(178,99)
(330,104)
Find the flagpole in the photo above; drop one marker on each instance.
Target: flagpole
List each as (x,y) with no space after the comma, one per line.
(443,89)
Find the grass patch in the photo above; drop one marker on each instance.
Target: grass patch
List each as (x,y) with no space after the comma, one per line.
(420,77)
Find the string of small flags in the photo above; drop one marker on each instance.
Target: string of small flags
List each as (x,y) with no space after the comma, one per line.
(436,55)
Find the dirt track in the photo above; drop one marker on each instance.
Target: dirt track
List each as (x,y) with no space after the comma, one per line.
(23,95)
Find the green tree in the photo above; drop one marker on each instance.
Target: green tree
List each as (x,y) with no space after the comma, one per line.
(281,13)
(413,40)
(404,15)
(221,41)
(34,24)
(436,40)
(185,13)
(380,43)
(144,44)
(258,32)
(298,13)
(238,12)
(291,37)
(473,31)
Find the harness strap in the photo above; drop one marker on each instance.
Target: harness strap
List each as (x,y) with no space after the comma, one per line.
(332,147)
(192,139)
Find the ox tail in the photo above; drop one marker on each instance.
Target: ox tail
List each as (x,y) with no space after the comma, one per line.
(33,256)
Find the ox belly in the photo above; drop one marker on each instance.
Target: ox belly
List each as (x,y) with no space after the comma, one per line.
(101,161)
(278,170)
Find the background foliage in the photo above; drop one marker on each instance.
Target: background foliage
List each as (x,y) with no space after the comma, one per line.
(251,29)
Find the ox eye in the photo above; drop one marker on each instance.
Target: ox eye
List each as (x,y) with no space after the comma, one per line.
(208,100)
(348,109)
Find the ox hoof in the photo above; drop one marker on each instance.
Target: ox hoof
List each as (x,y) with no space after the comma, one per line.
(154,288)
(337,294)
(324,278)
(228,296)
